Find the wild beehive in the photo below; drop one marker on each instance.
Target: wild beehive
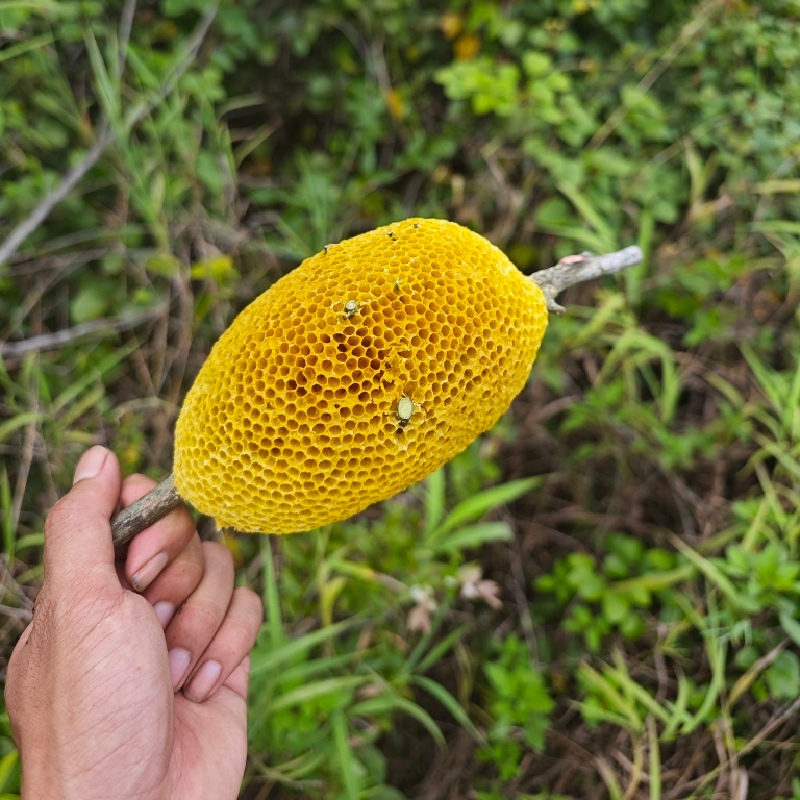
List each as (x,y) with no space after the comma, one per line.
(359,373)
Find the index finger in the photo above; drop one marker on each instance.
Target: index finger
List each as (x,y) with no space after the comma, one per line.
(158,545)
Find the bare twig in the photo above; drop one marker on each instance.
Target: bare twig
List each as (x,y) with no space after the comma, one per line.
(778,718)
(125,28)
(51,341)
(106,136)
(39,214)
(583,267)
(26,460)
(25,615)
(160,500)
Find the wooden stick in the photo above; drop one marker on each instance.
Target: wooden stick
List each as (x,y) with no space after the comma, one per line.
(160,500)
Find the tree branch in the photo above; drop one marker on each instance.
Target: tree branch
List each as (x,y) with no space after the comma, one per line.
(160,500)
(583,267)
(52,341)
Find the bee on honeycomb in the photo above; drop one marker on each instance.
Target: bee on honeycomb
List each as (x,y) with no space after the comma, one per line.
(293,420)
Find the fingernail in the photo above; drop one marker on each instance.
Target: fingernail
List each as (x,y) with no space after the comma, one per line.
(90,464)
(203,682)
(165,612)
(179,660)
(148,573)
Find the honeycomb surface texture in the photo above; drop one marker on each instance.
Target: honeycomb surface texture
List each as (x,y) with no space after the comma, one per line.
(298,418)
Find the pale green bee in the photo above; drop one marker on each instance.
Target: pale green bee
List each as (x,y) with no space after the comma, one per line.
(405,410)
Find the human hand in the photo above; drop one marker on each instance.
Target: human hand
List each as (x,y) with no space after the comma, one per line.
(114,693)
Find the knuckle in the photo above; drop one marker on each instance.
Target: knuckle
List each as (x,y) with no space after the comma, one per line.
(184,517)
(63,515)
(180,525)
(249,602)
(198,614)
(186,572)
(235,638)
(219,556)
(241,636)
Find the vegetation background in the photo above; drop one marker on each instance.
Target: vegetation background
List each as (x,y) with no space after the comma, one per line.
(600,598)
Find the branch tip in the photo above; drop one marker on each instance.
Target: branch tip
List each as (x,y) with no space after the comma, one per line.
(583,267)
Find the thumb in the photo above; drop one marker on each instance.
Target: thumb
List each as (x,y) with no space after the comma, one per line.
(77,532)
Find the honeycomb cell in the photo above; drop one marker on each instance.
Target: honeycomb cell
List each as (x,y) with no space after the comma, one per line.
(292,422)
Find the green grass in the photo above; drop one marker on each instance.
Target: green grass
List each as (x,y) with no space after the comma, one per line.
(601,597)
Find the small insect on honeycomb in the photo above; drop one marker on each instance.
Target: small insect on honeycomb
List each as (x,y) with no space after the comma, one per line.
(359,373)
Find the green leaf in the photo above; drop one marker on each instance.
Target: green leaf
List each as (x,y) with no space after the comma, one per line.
(345,761)
(535,729)
(738,559)
(783,676)
(164,264)
(710,570)
(265,657)
(317,689)
(90,303)
(389,702)
(215,268)
(9,771)
(536,64)
(91,376)
(590,214)
(40,6)
(434,499)
(615,606)
(791,626)
(590,586)
(107,92)
(209,172)
(482,502)
(474,536)
(272,601)
(19,421)
(33,43)
(436,653)
(9,533)
(450,703)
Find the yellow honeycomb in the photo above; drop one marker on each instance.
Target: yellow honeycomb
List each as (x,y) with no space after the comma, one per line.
(359,373)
